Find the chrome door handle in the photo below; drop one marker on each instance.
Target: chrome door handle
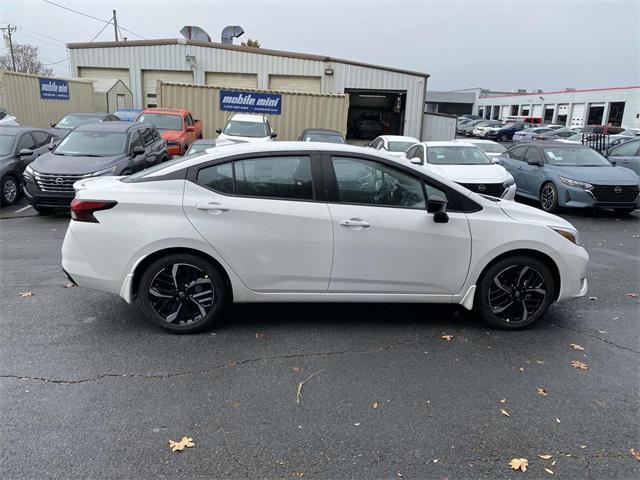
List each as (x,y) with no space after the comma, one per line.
(354,222)
(212,207)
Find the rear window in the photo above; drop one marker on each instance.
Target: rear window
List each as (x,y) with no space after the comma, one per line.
(73,121)
(399,146)
(162,121)
(238,128)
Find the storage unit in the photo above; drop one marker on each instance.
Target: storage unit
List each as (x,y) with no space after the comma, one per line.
(401,92)
(111,95)
(22,95)
(439,127)
(151,77)
(298,110)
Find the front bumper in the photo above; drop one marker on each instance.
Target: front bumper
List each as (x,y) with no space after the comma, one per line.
(38,198)
(509,193)
(573,274)
(570,196)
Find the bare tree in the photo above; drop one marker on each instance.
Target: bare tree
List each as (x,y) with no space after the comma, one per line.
(251,43)
(27,61)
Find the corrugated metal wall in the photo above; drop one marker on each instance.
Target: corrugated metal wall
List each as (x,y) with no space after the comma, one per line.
(211,59)
(20,95)
(299,110)
(438,127)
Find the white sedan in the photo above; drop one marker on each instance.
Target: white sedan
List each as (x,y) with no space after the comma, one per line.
(466,164)
(313,222)
(246,127)
(490,148)
(394,145)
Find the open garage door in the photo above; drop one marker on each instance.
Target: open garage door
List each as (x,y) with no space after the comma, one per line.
(294,83)
(232,80)
(150,77)
(375,112)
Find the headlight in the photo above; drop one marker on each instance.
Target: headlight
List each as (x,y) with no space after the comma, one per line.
(28,171)
(576,183)
(106,171)
(572,235)
(509,182)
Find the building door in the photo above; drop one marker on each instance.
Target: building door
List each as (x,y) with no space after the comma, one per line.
(616,112)
(121,101)
(150,77)
(375,112)
(577,115)
(548,114)
(294,83)
(106,76)
(596,112)
(232,80)
(563,114)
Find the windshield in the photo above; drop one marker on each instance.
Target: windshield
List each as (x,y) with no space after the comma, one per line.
(92,144)
(457,156)
(72,121)
(491,147)
(575,157)
(323,137)
(575,138)
(399,146)
(162,121)
(5,144)
(238,128)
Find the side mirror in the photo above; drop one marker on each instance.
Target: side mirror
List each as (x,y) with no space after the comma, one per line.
(416,161)
(51,146)
(218,130)
(274,134)
(495,159)
(53,125)
(536,163)
(612,161)
(191,129)
(438,206)
(25,152)
(138,151)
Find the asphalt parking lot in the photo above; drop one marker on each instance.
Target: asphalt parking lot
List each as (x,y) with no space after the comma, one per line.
(90,390)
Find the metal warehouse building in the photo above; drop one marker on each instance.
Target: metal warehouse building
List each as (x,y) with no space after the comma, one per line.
(396,97)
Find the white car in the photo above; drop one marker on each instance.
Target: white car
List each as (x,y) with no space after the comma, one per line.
(490,148)
(482,129)
(247,128)
(394,145)
(8,120)
(312,222)
(466,164)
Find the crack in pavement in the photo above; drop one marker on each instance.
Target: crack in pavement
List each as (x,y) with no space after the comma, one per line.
(597,338)
(164,376)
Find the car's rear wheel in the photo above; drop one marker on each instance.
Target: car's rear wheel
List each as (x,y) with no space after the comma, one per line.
(504,137)
(10,190)
(182,293)
(515,292)
(549,197)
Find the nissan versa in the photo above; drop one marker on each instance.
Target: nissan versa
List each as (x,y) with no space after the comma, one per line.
(314,222)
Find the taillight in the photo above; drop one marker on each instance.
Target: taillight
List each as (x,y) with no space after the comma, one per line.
(83,210)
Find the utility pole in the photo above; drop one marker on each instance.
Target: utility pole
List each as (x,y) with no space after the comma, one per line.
(9,29)
(115,25)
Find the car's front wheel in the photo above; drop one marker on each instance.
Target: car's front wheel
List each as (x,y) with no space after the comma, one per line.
(10,190)
(504,137)
(549,197)
(182,293)
(515,292)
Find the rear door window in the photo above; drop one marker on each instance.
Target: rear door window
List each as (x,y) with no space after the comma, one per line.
(532,155)
(517,153)
(147,136)
(42,138)
(26,141)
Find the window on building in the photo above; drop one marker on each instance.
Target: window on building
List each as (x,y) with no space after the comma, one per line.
(616,111)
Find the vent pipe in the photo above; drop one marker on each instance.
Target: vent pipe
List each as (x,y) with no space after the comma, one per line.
(230,32)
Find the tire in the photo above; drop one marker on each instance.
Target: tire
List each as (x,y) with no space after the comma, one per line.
(176,309)
(504,137)
(9,190)
(43,210)
(512,302)
(549,197)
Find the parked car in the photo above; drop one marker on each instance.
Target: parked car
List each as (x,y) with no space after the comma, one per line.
(368,126)
(321,135)
(481,129)
(603,129)
(91,150)
(7,120)
(128,114)
(560,174)
(506,133)
(490,148)
(18,147)
(465,164)
(62,127)
(556,134)
(528,134)
(394,145)
(312,222)
(201,146)
(176,125)
(248,128)
(596,139)
(467,128)
(627,155)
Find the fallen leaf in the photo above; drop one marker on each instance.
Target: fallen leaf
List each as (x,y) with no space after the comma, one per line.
(635,454)
(298,474)
(232,364)
(259,334)
(583,446)
(69,285)
(553,464)
(235,404)
(448,338)
(519,464)
(375,405)
(435,460)
(26,294)
(503,400)
(632,294)
(521,369)
(295,369)
(399,474)
(179,446)
(504,412)
(593,298)
(575,346)
(550,472)
(579,365)
(557,420)
(545,456)
(542,391)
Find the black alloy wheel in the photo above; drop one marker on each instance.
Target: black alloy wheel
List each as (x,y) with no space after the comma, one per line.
(549,197)
(10,189)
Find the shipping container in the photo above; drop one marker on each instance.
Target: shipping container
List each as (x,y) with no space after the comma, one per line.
(298,110)
(38,101)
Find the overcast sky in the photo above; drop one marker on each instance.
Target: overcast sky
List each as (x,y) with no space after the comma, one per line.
(502,45)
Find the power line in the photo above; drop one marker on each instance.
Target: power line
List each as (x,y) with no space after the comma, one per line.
(37,33)
(10,29)
(102,30)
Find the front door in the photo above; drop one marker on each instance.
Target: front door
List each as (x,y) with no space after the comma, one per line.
(384,239)
(531,174)
(259,214)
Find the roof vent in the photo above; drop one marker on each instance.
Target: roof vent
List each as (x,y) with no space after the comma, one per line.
(230,32)
(191,32)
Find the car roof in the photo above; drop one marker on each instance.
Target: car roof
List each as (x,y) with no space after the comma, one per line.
(398,138)
(320,130)
(247,117)
(450,143)
(473,140)
(549,143)
(166,111)
(87,114)
(114,126)
(17,129)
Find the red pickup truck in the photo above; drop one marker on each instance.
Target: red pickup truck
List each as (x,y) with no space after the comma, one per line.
(176,126)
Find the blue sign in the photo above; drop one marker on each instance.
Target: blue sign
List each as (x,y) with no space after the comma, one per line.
(54,89)
(251,102)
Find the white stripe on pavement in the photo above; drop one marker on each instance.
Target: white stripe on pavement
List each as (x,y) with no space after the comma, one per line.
(23,209)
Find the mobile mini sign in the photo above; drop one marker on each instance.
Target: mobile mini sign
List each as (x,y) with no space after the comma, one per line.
(251,102)
(54,89)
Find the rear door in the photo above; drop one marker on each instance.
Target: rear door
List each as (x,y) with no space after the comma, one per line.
(627,155)
(384,239)
(262,214)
